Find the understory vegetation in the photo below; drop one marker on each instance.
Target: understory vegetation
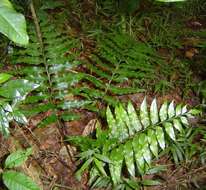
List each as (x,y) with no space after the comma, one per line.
(102,94)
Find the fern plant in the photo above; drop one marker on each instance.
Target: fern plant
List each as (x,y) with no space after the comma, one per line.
(45,61)
(134,137)
(120,65)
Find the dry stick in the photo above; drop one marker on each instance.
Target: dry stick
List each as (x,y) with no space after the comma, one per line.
(32,135)
(60,186)
(48,181)
(39,34)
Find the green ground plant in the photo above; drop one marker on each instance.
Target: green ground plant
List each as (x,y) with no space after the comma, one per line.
(124,151)
(15,180)
(12,93)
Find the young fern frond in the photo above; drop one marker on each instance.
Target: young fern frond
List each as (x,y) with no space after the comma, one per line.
(133,139)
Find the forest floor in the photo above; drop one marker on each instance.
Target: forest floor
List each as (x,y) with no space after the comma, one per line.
(178,41)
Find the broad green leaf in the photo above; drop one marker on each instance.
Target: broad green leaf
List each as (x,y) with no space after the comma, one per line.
(7,108)
(134,120)
(4,77)
(17,158)
(144,115)
(111,123)
(12,24)
(4,123)
(184,121)
(19,117)
(17,89)
(125,118)
(116,167)
(151,136)
(140,162)
(121,128)
(147,154)
(129,158)
(169,130)
(163,112)
(18,181)
(154,112)
(184,109)
(178,109)
(171,110)
(160,137)
(143,141)
(177,124)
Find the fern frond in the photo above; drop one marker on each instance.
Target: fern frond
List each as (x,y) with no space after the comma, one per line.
(120,66)
(45,61)
(135,137)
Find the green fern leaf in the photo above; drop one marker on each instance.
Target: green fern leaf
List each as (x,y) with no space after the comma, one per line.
(135,124)
(144,115)
(154,112)
(133,140)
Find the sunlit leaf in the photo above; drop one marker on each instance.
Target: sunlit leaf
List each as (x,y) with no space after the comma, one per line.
(19,117)
(122,130)
(129,158)
(177,124)
(4,123)
(115,168)
(184,121)
(184,109)
(160,137)
(18,181)
(17,89)
(134,120)
(17,158)
(169,130)
(144,115)
(4,77)
(163,112)
(178,109)
(171,110)
(154,112)
(151,136)
(12,24)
